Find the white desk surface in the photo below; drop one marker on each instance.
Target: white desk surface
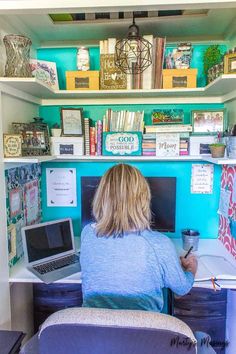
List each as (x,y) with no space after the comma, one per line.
(19,273)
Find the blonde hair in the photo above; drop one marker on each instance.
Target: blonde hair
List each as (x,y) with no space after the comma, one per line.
(122,202)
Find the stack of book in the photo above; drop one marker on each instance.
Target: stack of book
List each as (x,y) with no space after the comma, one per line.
(171,139)
(151,78)
(123,121)
(149,144)
(184,144)
(95,139)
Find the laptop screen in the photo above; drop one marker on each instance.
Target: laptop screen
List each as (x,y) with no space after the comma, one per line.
(48,240)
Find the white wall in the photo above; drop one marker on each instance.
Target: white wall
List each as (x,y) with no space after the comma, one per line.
(16,110)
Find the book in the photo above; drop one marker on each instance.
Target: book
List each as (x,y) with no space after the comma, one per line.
(168,128)
(211,266)
(86,136)
(92,141)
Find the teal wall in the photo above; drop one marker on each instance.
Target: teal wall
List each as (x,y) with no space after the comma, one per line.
(192,210)
(65,59)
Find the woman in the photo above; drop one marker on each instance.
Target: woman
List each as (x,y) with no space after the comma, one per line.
(125,265)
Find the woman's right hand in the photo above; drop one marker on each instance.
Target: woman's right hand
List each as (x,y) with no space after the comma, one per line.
(189,264)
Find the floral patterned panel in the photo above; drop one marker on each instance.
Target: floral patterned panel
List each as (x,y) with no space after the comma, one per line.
(227,227)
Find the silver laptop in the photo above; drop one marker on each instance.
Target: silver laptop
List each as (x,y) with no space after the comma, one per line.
(49,250)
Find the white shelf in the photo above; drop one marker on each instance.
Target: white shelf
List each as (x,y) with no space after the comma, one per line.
(220,161)
(219,91)
(14,162)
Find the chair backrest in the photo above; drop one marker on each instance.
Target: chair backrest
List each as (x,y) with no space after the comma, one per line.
(106,331)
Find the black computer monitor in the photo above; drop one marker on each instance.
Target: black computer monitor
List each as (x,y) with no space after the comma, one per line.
(163,203)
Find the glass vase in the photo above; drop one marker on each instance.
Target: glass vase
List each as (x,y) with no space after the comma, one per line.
(18,56)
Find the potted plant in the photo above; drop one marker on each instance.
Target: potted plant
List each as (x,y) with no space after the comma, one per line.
(211,57)
(217,149)
(56,130)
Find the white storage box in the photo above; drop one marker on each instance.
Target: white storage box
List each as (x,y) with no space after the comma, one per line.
(199,145)
(67,145)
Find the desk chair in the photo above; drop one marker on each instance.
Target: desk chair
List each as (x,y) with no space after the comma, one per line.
(106,331)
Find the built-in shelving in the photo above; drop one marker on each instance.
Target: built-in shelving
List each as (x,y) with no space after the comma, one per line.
(223,89)
(14,162)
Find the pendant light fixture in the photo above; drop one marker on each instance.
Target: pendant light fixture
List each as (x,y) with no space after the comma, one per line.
(133,54)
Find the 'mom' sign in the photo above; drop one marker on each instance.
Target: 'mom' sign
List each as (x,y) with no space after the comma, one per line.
(122,143)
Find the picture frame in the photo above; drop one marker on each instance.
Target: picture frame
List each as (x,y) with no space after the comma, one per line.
(31,202)
(11,239)
(208,121)
(15,202)
(12,145)
(35,137)
(230,63)
(72,122)
(169,116)
(45,71)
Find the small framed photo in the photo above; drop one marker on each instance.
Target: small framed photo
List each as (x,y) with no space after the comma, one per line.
(230,63)
(72,122)
(35,137)
(207,122)
(12,145)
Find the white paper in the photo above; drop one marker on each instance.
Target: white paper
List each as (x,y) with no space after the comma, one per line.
(224,202)
(61,187)
(202,178)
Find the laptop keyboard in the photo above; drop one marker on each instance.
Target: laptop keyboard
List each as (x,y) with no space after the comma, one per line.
(57,264)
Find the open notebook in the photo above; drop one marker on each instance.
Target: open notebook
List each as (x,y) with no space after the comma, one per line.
(215,266)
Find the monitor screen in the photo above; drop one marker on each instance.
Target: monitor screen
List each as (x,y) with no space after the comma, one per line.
(163,202)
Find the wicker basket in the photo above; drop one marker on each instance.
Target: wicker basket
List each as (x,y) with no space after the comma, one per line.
(217,151)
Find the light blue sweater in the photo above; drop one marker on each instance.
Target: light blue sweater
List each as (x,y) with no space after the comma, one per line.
(129,272)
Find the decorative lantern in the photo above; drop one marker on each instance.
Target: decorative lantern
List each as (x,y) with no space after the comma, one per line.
(133,54)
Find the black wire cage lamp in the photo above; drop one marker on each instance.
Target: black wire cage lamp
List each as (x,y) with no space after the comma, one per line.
(133,54)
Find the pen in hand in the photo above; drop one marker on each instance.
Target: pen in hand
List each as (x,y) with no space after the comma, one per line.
(190,249)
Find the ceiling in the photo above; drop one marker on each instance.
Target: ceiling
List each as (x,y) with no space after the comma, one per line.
(213,24)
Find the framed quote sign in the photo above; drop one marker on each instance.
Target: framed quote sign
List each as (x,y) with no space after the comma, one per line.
(111,77)
(122,143)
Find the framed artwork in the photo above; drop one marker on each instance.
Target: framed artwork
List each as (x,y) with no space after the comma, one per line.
(12,145)
(207,122)
(45,71)
(230,63)
(15,202)
(35,137)
(168,116)
(72,122)
(31,202)
(11,238)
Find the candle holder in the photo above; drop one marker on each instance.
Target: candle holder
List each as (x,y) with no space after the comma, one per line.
(18,56)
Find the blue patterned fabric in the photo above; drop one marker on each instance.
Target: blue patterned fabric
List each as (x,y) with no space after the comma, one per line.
(130,272)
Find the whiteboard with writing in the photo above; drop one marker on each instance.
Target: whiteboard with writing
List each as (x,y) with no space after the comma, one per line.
(202,178)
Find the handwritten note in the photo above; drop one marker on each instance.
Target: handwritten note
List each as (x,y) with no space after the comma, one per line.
(61,187)
(202,178)
(224,202)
